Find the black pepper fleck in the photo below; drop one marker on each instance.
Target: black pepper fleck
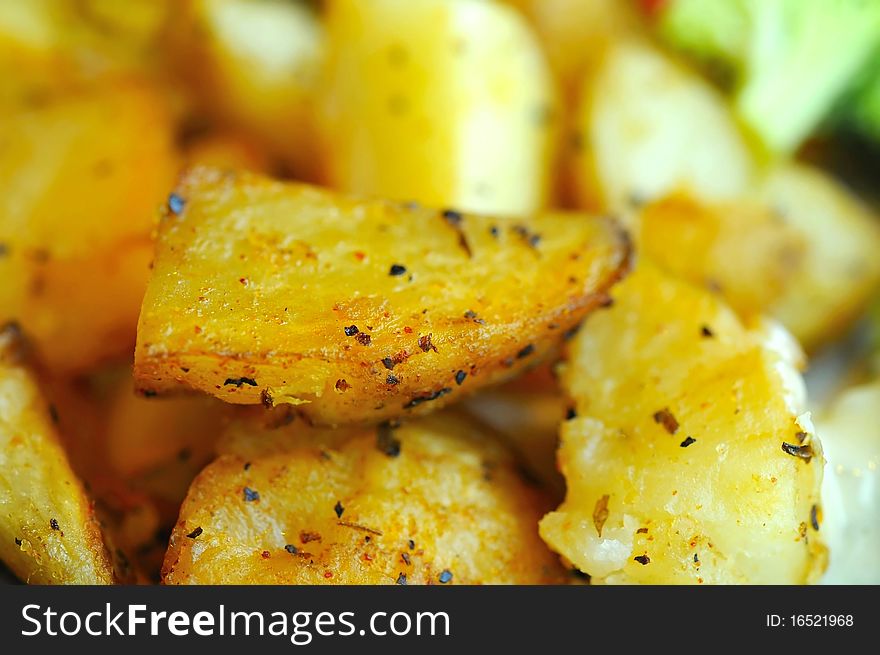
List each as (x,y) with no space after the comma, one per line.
(53,523)
(240,381)
(459,377)
(396,270)
(250,495)
(814,517)
(195,533)
(804,452)
(351,330)
(570,413)
(339,509)
(445,576)
(706,331)
(687,442)
(525,352)
(401,579)
(392,379)
(452,217)
(642,559)
(290,548)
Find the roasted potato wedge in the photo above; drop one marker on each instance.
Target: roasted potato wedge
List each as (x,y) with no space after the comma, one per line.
(253,65)
(841,271)
(850,429)
(800,249)
(445,92)
(647,127)
(89,170)
(744,249)
(48,531)
(434,501)
(357,310)
(137,455)
(574,33)
(690,459)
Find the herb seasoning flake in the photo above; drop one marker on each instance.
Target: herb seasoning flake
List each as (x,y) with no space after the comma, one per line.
(665,418)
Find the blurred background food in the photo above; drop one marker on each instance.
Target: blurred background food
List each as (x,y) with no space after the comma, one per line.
(737,140)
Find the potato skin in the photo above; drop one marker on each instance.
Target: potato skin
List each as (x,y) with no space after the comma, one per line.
(675,463)
(296,505)
(85,172)
(48,531)
(264,292)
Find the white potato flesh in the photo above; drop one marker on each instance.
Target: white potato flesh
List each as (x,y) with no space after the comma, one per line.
(851,487)
(646,127)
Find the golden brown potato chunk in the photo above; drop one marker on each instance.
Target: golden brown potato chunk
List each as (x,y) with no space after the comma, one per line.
(690,458)
(744,249)
(433,501)
(83,175)
(48,532)
(841,270)
(357,310)
(253,66)
(799,248)
(446,103)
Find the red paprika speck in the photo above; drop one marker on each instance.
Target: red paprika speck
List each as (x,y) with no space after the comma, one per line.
(407,330)
(265,554)
(359,256)
(328,574)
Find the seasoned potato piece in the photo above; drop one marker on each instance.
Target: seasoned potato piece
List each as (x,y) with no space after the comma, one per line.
(690,459)
(744,249)
(432,501)
(454,104)
(81,39)
(574,33)
(357,310)
(137,455)
(801,250)
(526,413)
(841,271)
(254,65)
(85,174)
(647,127)
(851,487)
(48,532)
